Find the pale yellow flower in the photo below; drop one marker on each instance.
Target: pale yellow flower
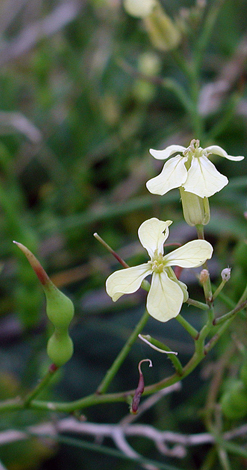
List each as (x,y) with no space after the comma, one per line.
(166,293)
(190,169)
(139,8)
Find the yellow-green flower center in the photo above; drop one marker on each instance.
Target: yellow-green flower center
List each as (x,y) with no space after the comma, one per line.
(157,263)
(194,150)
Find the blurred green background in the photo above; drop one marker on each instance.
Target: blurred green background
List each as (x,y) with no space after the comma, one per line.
(76,122)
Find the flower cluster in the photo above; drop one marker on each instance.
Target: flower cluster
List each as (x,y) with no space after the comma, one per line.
(194,174)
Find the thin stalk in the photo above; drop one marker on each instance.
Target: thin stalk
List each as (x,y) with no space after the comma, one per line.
(122,355)
(95,399)
(197,304)
(187,326)
(230,314)
(180,93)
(204,38)
(41,385)
(242,303)
(192,75)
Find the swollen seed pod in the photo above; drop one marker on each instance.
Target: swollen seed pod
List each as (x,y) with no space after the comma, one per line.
(60,311)
(234,401)
(60,347)
(59,308)
(228,410)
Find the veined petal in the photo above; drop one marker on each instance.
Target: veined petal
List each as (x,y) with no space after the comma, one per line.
(126,281)
(203,179)
(184,290)
(190,255)
(152,236)
(216,150)
(167,152)
(172,176)
(165,298)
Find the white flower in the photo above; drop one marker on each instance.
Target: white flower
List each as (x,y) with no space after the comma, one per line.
(166,293)
(191,170)
(139,8)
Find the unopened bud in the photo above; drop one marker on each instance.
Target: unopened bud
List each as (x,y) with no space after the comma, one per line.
(163,32)
(226,274)
(203,276)
(196,209)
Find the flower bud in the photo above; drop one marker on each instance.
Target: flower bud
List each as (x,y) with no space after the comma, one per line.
(196,209)
(163,33)
(203,276)
(226,274)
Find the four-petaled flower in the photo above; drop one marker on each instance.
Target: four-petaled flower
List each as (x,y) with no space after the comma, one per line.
(192,170)
(166,293)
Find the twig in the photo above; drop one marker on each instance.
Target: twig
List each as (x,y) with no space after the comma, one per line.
(114,431)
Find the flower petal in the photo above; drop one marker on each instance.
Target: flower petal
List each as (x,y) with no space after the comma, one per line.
(165,298)
(167,152)
(190,255)
(216,150)
(139,8)
(203,178)
(172,176)
(126,281)
(151,235)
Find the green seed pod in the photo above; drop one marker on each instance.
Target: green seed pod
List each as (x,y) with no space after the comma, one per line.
(228,409)
(60,348)
(234,401)
(59,308)
(60,311)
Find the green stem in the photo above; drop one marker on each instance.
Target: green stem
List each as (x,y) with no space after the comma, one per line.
(204,38)
(200,231)
(219,289)
(243,296)
(230,314)
(122,355)
(191,102)
(242,303)
(179,92)
(197,304)
(187,326)
(207,287)
(227,114)
(200,351)
(41,385)
(95,399)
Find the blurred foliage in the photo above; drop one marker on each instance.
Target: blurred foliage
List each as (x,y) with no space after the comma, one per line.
(76,121)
